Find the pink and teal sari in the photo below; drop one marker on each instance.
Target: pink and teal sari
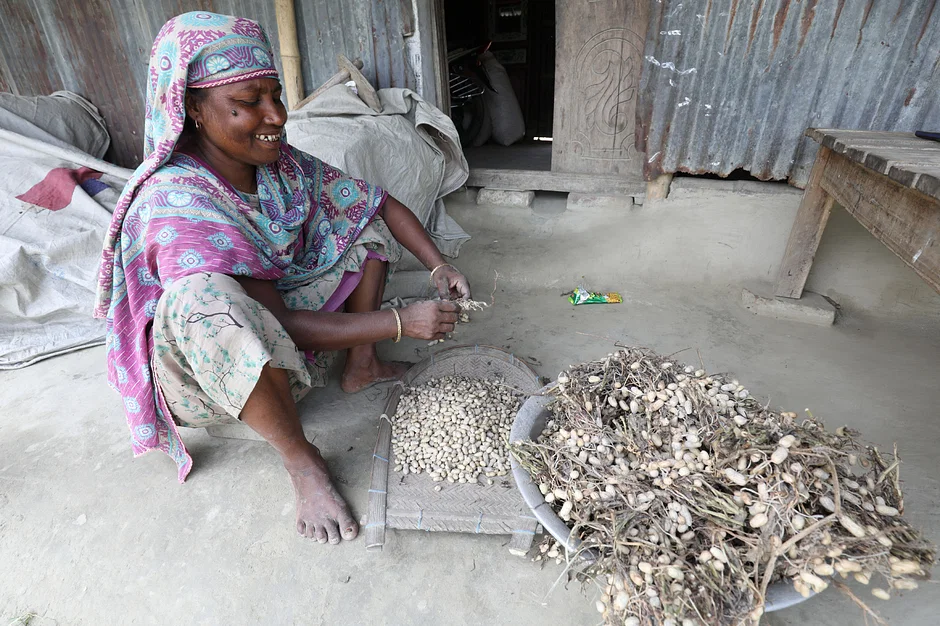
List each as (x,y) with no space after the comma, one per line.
(176,217)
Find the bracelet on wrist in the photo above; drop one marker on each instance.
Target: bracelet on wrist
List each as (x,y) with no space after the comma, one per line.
(398,324)
(431,277)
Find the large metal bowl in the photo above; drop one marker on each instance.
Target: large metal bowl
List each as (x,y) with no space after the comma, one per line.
(528,425)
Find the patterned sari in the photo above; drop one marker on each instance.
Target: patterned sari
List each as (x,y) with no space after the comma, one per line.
(176,217)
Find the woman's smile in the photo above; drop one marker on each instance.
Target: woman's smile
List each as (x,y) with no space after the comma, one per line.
(273,138)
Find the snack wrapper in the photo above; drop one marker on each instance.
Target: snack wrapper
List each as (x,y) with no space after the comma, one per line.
(583,296)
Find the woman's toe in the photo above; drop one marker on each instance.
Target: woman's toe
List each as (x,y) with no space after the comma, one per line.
(332,531)
(350,529)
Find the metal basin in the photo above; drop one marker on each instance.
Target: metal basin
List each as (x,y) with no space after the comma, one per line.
(528,425)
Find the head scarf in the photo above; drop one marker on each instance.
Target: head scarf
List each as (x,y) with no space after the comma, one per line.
(232,58)
(177,217)
(239,51)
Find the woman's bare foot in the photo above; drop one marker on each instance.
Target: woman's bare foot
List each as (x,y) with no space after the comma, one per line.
(364,370)
(321,512)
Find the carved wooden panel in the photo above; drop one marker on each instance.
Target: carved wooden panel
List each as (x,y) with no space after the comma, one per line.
(597,74)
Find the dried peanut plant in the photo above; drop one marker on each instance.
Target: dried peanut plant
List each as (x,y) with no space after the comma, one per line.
(463,317)
(693,497)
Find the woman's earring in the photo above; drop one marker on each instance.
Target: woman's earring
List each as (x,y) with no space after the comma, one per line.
(234,112)
(197,124)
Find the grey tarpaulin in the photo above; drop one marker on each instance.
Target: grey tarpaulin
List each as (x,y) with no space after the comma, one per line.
(411,149)
(49,258)
(63,119)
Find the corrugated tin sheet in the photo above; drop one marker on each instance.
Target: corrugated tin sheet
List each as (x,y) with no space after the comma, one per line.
(372,30)
(731,84)
(100,49)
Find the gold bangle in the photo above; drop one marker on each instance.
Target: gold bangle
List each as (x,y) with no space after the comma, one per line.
(431,277)
(398,322)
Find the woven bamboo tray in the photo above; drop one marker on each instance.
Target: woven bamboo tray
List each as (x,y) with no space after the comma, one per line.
(409,502)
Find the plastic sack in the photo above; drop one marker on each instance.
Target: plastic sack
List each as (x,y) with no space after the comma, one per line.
(505,112)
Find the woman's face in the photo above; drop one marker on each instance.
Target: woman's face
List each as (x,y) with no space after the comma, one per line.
(244,120)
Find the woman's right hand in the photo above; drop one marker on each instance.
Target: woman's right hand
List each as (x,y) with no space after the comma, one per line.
(429,320)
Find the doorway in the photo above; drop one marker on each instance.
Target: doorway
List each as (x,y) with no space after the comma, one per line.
(506,122)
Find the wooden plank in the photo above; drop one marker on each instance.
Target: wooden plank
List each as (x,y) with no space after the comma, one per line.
(806,233)
(858,144)
(338,78)
(881,159)
(378,486)
(928,183)
(903,157)
(829,136)
(904,162)
(658,188)
(430,72)
(905,220)
(537,180)
(904,174)
(859,150)
(440,56)
(523,535)
(598,61)
(366,91)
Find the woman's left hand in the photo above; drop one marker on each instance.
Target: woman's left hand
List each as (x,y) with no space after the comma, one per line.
(451,284)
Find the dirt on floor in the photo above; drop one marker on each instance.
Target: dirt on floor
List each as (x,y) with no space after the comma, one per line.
(90,535)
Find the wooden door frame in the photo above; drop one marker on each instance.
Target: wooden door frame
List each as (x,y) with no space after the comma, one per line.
(526,180)
(430,18)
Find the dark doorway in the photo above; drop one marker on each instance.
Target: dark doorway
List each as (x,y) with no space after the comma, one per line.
(521,38)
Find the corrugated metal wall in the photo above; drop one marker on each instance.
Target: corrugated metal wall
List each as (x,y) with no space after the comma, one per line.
(372,30)
(100,48)
(733,84)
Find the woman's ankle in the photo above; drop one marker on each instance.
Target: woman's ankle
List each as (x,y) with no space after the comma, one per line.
(297,454)
(361,355)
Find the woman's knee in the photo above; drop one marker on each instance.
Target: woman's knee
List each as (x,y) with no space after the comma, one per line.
(205,297)
(187,286)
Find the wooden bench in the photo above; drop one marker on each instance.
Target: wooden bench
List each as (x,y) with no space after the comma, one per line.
(890,183)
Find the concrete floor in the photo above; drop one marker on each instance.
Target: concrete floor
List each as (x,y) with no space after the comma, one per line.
(526,155)
(89,535)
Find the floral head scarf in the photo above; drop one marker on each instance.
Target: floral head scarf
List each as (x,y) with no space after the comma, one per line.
(196,49)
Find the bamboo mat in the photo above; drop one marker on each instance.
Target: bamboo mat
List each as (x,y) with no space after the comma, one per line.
(409,502)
